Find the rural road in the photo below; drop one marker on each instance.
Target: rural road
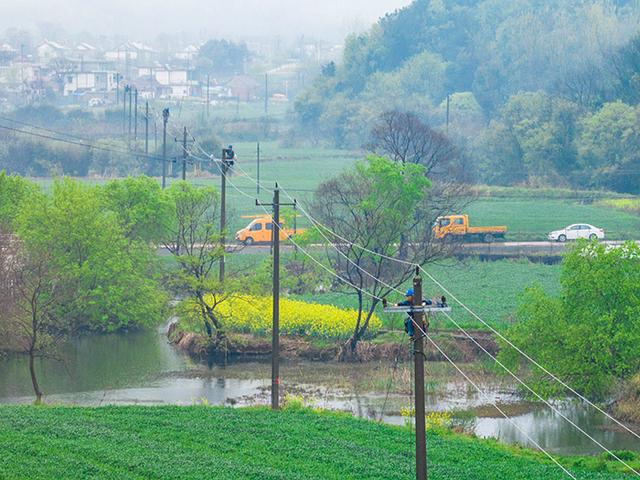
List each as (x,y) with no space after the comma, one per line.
(498,249)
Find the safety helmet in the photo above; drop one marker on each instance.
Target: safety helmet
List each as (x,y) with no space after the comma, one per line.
(409,293)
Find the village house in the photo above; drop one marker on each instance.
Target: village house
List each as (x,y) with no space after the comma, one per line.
(49,51)
(94,82)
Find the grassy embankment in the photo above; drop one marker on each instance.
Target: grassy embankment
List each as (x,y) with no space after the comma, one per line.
(201,442)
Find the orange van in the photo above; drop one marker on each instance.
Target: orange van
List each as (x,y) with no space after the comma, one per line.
(259,231)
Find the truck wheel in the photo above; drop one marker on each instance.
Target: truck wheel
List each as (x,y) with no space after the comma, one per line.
(248,241)
(562,238)
(488,238)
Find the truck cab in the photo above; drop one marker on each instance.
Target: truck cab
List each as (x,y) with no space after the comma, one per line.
(453,227)
(259,230)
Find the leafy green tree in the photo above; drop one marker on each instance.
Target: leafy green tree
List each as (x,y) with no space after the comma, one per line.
(375,204)
(222,57)
(588,335)
(143,212)
(13,191)
(113,281)
(609,147)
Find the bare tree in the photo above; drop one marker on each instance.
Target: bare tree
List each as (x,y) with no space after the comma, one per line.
(30,294)
(404,137)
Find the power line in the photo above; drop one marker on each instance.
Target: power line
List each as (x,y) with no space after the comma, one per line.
(78,143)
(495,405)
(539,397)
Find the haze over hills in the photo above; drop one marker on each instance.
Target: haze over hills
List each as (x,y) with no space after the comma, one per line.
(145,19)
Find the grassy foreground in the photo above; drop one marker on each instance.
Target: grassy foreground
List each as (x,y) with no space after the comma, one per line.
(223,443)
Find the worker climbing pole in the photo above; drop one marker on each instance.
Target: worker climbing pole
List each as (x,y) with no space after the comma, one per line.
(417,310)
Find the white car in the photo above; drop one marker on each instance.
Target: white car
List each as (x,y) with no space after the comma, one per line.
(576,231)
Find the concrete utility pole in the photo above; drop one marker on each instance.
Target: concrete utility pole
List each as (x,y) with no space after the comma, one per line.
(184,154)
(146,127)
(117,89)
(130,108)
(227,161)
(418,361)
(165,119)
(258,167)
(135,123)
(275,329)
(124,109)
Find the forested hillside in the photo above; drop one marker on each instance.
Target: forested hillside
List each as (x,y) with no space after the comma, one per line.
(542,92)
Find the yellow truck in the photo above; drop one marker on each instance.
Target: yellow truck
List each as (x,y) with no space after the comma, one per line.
(456,227)
(260,228)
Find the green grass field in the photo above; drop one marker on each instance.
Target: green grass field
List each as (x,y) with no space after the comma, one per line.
(202,442)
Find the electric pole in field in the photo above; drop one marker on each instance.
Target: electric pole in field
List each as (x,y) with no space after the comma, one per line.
(184,154)
(130,108)
(275,329)
(227,161)
(146,127)
(135,123)
(124,109)
(417,312)
(258,167)
(418,363)
(165,119)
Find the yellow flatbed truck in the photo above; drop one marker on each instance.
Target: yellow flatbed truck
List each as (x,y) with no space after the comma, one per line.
(456,227)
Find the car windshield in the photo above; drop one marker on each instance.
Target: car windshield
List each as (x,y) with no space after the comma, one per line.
(444,222)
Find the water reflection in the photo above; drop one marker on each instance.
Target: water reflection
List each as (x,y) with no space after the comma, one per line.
(142,368)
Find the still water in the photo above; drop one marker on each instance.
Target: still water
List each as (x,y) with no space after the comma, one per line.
(142,368)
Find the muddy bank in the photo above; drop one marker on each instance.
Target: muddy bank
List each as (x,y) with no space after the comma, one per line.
(244,346)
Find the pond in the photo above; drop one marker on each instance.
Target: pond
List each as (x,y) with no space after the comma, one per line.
(142,368)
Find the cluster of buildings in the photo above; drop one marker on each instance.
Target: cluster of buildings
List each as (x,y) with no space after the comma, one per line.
(82,72)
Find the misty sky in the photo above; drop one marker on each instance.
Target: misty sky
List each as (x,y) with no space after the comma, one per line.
(145,19)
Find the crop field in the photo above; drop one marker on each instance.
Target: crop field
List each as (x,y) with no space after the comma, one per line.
(528,214)
(202,442)
(532,219)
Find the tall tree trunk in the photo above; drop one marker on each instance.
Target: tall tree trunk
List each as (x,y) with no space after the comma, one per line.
(34,380)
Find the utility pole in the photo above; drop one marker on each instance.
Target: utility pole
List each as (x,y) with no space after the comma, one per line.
(207,95)
(146,127)
(184,154)
(418,362)
(258,167)
(165,119)
(266,93)
(130,108)
(227,161)
(135,123)
(124,109)
(117,89)
(275,329)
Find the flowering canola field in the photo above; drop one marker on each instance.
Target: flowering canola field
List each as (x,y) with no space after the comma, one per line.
(253,314)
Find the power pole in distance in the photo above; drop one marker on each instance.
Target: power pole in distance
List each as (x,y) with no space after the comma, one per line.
(124,110)
(165,119)
(275,330)
(258,167)
(146,127)
(130,108)
(448,105)
(418,362)
(184,154)
(135,123)
(227,161)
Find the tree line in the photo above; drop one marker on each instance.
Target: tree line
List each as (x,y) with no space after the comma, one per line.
(537,93)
